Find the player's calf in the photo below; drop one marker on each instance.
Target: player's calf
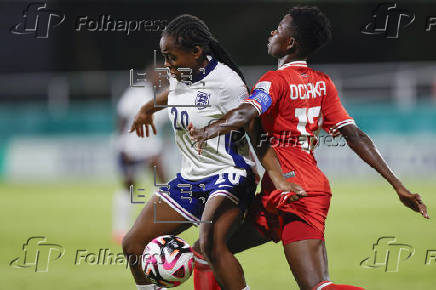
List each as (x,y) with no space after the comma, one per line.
(213,241)
(133,249)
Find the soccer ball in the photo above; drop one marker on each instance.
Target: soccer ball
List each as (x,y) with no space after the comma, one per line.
(167,261)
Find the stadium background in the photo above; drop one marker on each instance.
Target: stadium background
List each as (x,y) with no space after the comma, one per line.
(57,159)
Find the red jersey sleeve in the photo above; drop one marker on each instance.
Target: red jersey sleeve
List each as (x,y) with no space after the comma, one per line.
(266,92)
(334,114)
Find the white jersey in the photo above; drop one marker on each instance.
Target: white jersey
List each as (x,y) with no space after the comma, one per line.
(219,90)
(128,106)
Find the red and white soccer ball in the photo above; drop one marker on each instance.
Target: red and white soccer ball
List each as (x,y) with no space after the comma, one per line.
(168,261)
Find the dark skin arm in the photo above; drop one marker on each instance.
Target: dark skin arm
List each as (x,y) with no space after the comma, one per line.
(232,121)
(358,141)
(246,116)
(363,146)
(269,160)
(145,115)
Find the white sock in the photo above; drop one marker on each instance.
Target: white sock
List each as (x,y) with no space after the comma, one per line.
(145,287)
(121,211)
(149,287)
(246,288)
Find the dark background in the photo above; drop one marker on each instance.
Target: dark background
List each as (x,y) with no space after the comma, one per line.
(242,27)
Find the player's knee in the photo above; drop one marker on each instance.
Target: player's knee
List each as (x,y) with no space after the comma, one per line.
(128,245)
(132,245)
(196,246)
(206,242)
(213,254)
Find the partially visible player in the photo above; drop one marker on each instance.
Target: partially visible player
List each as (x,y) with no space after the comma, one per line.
(133,153)
(294,103)
(212,190)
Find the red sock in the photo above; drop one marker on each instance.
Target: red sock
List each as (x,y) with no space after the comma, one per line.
(327,285)
(203,274)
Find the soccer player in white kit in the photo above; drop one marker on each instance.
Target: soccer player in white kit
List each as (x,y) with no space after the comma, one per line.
(213,189)
(133,153)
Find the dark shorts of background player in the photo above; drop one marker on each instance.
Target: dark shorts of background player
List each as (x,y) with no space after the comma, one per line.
(281,226)
(189,197)
(130,166)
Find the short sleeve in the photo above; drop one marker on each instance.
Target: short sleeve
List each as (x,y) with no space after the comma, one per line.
(266,92)
(334,114)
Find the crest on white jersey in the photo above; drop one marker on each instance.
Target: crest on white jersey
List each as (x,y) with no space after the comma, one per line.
(201,100)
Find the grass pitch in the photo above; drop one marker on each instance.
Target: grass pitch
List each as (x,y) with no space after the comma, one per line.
(77,216)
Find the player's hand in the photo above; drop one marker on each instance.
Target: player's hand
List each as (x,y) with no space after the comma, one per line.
(199,136)
(413,201)
(143,117)
(290,192)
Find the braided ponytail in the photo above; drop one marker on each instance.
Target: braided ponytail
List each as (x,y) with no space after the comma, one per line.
(190,31)
(221,55)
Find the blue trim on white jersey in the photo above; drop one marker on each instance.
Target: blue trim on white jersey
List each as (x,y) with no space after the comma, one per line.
(207,69)
(238,159)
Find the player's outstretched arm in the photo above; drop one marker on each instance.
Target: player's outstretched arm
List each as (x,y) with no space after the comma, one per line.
(145,115)
(246,116)
(231,121)
(269,160)
(363,146)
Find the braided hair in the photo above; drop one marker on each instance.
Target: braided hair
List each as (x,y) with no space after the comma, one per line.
(190,31)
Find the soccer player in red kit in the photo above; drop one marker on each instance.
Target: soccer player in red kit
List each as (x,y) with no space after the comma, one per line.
(294,103)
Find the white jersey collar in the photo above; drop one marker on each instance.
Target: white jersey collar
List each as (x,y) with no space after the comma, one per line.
(297,63)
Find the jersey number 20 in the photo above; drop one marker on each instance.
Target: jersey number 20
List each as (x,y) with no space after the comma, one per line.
(184,119)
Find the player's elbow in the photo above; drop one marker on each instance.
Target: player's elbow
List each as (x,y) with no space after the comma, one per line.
(242,117)
(356,137)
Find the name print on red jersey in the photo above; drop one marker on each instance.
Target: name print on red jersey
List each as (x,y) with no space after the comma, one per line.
(308,90)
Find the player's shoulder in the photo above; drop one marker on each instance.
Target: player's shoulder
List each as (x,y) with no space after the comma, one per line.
(271,79)
(225,74)
(320,75)
(274,75)
(229,80)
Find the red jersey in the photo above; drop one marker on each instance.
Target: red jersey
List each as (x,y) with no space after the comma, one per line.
(295,103)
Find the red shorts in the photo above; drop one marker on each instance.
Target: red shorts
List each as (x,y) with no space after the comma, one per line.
(286,225)
(299,220)
(296,229)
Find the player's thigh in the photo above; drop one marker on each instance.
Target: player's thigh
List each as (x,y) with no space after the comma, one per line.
(308,262)
(220,218)
(245,237)
(157,218)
